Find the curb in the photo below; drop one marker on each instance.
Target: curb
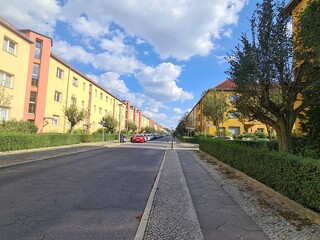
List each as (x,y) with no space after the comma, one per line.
(145,217)
(297,207)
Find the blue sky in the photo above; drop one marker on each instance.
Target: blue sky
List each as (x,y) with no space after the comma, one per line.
(159,54)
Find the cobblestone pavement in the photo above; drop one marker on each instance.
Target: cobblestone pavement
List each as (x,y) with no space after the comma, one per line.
(172,215)
(274,218)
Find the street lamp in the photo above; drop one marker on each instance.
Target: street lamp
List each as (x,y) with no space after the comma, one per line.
(120,108)
(102,131)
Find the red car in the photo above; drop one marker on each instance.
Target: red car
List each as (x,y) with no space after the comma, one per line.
(138,138)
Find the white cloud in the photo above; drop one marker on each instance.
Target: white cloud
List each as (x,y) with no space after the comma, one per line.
(179,29)
(155,116)
(160,83)
(40,16)
(177,110)
(69,53)
(88,28)
(221,59)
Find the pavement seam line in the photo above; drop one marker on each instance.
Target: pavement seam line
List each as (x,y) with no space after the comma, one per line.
(146,213)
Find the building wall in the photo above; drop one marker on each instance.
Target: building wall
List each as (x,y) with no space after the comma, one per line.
(53,92)
(39,86)
(17,65)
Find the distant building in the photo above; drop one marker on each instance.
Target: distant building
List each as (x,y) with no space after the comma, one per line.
(42,85)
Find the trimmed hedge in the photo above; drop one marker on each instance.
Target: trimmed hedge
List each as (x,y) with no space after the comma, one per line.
(16,141)
(295,177)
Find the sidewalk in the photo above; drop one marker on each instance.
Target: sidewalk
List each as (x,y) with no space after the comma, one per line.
(206,212)
(196,199)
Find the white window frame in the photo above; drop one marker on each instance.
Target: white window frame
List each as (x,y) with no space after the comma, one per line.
(59,73)
(9,46)
(32,103)
(101,96)
(55,120)
(38,49)
(75,81)
(84,86)
(4,113)
(100,111)
(6,79)
(73,101)
(57,96)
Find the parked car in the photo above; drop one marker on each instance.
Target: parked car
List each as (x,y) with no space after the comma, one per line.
(227,138)
(138,138)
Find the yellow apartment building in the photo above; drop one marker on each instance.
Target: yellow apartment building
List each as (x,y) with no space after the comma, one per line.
(231,125)
(42,85)
(14,55)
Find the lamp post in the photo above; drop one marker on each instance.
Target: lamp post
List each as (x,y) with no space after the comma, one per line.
(102,131)
(120,108)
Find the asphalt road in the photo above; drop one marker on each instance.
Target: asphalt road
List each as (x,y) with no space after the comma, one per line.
(91,195)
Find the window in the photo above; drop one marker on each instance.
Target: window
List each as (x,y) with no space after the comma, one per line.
(59,73)
(55,120)
(38,49)
(57,96)
(82,104)
(94,109)
(32,102)
(9,46)
(75,81)
(95,93)
(35,75)
(100,111)
(84,86)
(233,114)
(106,112)
(4,113)
(106,99)
(5,80)
(101,96)
(73,101)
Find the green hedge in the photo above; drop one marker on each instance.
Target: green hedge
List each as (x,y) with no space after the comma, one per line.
(295,177)
(16,141)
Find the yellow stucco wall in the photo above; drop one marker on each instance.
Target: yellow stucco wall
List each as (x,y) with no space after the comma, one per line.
(102,102)
(17,66)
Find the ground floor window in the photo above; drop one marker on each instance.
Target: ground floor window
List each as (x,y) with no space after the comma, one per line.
(234,130)
(4,114)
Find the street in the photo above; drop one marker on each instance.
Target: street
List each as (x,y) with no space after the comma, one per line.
(87,195)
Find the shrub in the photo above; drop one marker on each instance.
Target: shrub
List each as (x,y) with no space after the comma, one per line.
(14,126)
(296,177)
(18,141)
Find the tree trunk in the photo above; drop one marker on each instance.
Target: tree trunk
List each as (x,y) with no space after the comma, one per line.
(72,129)
(284,131)
(218,130)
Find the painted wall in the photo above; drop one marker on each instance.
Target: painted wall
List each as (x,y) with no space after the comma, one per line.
(17,66)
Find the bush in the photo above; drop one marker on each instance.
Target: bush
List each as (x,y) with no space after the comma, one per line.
(11,142)
(14,126)
(296,177)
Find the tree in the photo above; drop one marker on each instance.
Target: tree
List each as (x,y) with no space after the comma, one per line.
(109,123)
(74,115)
(184,125)
(262,69)
(307,55)
(5,98)
(132,127)
(215,107)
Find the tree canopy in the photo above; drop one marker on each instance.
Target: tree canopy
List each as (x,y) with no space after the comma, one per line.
(109,123)
(215,107)
(74,115)
(268,81)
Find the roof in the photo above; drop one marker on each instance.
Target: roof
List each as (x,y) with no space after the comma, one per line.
(227,85)
(290,6)
(12,28)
